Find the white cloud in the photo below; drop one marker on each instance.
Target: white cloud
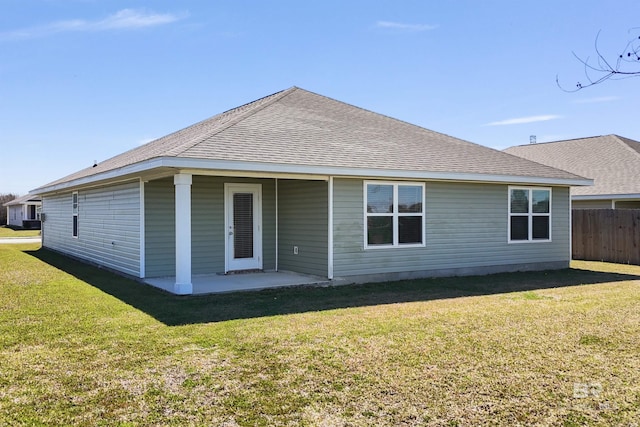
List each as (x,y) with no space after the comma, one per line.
(596,100)
(405,27)
(127,19)
(521,120)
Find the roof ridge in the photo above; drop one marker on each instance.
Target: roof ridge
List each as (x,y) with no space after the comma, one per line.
(535,161)
(560,140)
(413,125)
(276,96)
(623,141)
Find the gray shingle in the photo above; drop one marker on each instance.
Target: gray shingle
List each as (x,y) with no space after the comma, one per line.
(298,127)
(613,162)
(21,200)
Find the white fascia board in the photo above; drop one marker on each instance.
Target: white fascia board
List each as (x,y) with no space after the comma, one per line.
(282,170)
(113,174)
(606,196)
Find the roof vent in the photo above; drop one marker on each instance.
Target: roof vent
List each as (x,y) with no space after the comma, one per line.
(95,163)
(532,139)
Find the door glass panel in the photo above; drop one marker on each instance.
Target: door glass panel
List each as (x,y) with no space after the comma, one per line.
(243,225)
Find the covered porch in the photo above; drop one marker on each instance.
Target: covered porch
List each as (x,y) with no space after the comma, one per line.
(215,231)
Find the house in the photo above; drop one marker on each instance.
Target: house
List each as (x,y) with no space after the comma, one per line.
(611,160)
(24,212)
(299,182)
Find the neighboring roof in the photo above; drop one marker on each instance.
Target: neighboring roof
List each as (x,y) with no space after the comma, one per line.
(298,131)
(23,200)
(611,160)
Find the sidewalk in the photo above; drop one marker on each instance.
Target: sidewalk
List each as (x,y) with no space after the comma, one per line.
(10,240)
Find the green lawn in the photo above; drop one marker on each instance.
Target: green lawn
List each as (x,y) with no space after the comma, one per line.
(80,346)
(8,232)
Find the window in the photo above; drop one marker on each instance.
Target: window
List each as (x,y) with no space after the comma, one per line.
(394,214)
(74,207)
(529,214)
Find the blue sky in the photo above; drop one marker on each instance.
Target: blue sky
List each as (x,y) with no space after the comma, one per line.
(84,80)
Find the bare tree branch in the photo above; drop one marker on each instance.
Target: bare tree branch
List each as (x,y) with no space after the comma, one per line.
(627,64)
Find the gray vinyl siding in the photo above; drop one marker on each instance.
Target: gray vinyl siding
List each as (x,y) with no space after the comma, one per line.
(159,227)
(466,227)
(591,204)
(207,225)
(108,226)
(302,222)
(628,204)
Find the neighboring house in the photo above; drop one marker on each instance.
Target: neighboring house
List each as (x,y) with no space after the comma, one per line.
(24,212)
(300,182)
(612,161)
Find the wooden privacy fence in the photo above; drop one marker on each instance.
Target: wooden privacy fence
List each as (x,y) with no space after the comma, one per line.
(610,235)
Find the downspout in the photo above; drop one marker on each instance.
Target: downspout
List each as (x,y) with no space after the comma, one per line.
(330,232)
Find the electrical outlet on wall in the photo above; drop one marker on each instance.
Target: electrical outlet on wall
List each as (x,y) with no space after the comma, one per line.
(295,250)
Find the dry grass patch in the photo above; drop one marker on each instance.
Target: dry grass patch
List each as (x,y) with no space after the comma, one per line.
(79,346)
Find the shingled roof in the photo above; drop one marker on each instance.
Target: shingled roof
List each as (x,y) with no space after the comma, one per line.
(300,131)
(613,162)
(22,200)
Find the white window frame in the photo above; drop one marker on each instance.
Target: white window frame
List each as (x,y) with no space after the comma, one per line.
(530,215)
(395,214)
(75,207)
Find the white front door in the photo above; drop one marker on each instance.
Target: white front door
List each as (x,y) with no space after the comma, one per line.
(243,225)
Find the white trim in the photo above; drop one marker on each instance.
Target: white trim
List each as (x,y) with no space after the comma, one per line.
(142,232)
(257,261)
(284,170)
(107,183)
(530,214)
(570,230)
(395,215)
(613,204)
(330,230)
(631,196)
(277,201)
(182,183)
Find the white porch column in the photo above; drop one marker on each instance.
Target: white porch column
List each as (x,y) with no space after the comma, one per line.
(183,285)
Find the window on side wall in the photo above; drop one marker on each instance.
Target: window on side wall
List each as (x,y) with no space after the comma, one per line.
(394,214)
(74,209)
(529,214)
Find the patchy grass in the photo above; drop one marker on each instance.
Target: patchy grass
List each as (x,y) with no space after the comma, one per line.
(80,346)
(9,232)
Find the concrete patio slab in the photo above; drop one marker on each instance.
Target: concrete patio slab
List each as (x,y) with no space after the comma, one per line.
(216,283)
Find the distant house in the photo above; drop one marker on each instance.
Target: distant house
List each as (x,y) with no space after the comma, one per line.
(299,182)
(612,161)
(24,212)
